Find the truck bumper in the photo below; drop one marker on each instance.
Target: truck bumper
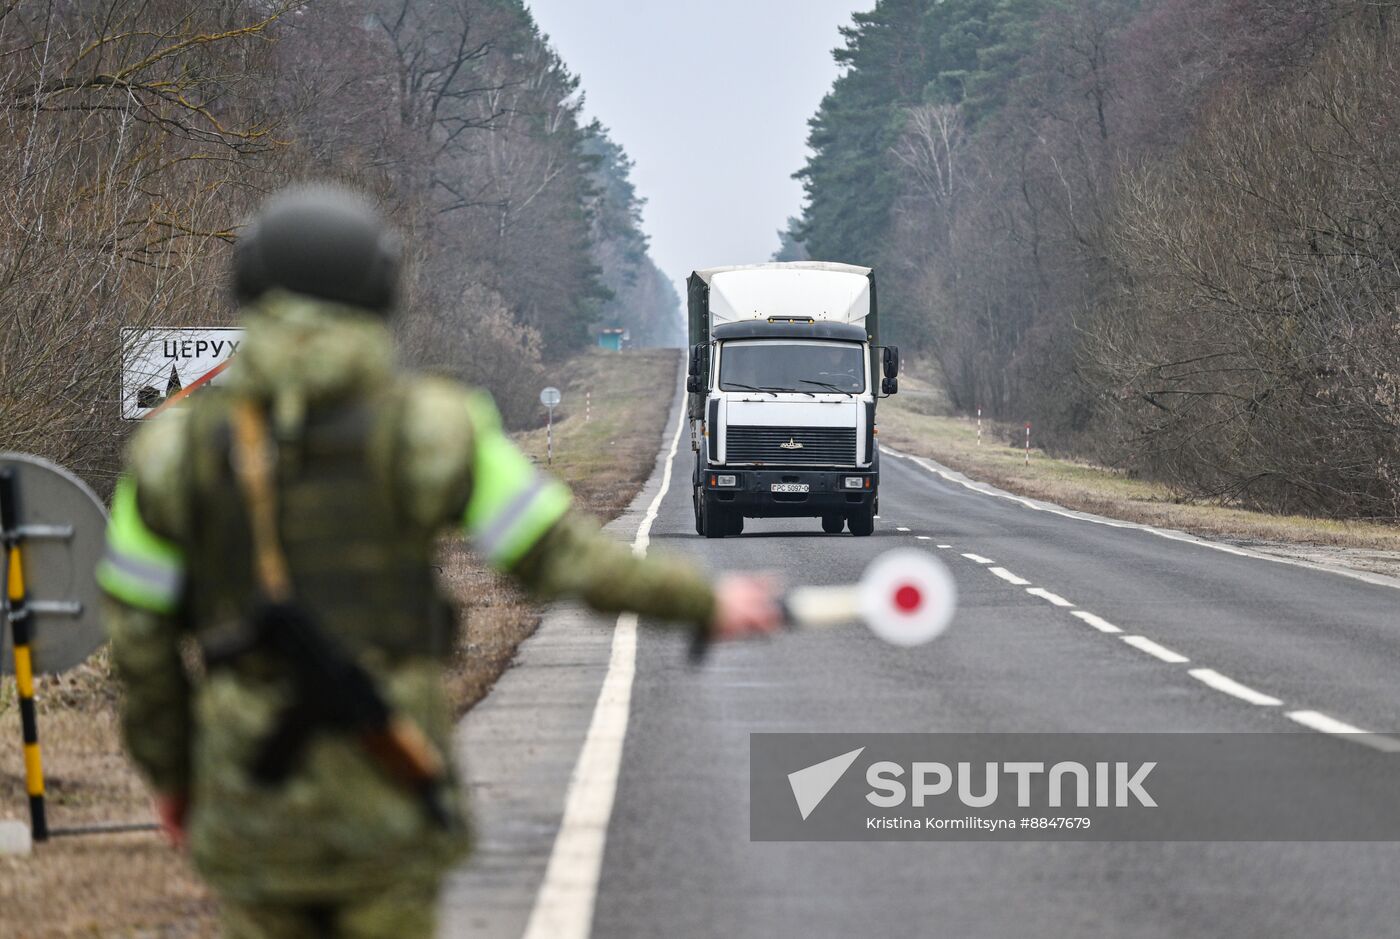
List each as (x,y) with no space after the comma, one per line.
(752,494)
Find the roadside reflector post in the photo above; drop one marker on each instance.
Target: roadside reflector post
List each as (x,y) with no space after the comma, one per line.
(1028,443)
(587,406)
(18,615)
(979,427)
(550,398)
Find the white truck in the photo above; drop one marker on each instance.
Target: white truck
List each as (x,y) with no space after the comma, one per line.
(783,371)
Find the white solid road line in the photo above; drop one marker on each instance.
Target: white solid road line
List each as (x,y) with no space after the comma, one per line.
(1098,622)
(1233,688)
(1316,720)
(564,905)
(1155,650)
(1380,580)
(1044,594)
(1313,720)
(1009,577)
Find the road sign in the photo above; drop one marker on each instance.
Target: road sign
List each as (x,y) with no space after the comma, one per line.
(157,363)
(62,533)
(551,397)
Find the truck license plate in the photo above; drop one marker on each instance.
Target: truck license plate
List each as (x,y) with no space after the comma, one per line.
(791,487)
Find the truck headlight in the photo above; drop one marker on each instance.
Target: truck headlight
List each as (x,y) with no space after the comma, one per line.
(855,482)
(725,480)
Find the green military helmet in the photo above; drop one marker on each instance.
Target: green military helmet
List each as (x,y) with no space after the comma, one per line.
(323,241)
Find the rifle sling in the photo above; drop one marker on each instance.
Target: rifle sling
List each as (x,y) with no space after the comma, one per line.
(394,742)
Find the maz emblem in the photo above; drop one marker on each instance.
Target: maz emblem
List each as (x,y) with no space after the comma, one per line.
(792,444)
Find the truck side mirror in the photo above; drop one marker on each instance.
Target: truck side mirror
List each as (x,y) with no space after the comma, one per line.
(890,386)
(692,372)
(891,363)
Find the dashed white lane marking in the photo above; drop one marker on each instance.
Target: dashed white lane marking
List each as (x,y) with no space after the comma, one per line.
(564,905)
(978,558)
(1233,688)
(1009,577)
(1098,622)
(1044,594)
(900,528)
(924,538)
(945,546)
(1316,720)
(1380,580)
(1155,650)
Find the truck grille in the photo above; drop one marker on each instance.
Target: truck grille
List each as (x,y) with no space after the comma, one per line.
(833,446)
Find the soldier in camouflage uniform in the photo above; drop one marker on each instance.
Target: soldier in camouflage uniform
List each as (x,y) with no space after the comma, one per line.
(371,467)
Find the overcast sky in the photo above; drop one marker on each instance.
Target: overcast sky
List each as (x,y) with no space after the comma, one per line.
(711,100)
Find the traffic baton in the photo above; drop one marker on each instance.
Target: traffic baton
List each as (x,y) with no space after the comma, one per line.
(906,597)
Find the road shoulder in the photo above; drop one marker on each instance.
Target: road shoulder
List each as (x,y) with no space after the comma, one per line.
(518,747)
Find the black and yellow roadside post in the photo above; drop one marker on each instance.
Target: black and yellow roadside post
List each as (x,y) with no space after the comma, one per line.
(17,612)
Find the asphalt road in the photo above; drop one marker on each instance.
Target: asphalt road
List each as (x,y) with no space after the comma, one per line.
(1290,648)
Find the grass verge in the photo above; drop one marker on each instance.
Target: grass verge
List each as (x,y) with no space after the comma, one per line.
(606,432)
(132,885)
(917,423)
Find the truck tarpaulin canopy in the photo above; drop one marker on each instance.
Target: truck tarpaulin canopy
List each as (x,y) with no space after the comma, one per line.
(824,290)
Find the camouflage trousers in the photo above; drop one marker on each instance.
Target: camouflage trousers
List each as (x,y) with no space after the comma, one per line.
(399,911)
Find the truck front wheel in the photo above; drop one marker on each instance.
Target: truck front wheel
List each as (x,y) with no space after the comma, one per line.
(714,521)
(862,522)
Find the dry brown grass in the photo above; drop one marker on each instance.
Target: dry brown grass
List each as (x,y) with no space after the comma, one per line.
(915,423)
(133,885)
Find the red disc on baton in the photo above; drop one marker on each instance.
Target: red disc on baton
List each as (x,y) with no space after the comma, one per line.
(907,597)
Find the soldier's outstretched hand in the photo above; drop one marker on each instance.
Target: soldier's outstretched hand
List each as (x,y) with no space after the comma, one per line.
(746,606)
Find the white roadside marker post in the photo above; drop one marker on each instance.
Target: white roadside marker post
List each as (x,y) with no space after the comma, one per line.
(587,406)
(550,398)
(1028,443)
(979,427)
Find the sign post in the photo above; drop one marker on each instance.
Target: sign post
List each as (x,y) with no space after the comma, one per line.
(550,398)
(52,528)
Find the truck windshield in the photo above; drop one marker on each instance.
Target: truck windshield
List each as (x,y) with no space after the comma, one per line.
(802,367)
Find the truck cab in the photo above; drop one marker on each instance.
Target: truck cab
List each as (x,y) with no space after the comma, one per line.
(784,383)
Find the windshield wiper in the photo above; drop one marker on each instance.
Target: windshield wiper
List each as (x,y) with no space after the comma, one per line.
(727,385)
(827,384)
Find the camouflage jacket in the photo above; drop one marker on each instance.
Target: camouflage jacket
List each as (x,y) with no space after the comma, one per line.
(338,825)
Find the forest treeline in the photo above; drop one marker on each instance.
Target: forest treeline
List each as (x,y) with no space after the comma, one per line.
(138,135)
(1165,232)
